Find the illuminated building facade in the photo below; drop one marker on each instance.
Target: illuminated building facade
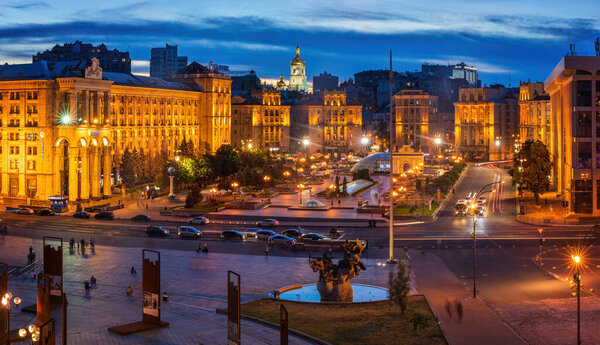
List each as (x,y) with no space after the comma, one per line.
(326,124)
(259,120)
(298,81)
(414,110)
(64,126)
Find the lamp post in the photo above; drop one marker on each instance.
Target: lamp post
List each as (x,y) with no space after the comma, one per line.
(541,242)
(267,178)
(332,190)
(305,142)
(438,142)
(301,188)
(234,185)
(474,209)
(8,302)
(171,172)
(286,175)
(577,279)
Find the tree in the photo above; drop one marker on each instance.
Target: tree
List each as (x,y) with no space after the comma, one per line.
(193,197)
(186,148)
(226,161)
(127,168)
(399,286)
(345,186)
(204,171)
(337,184)
(533,172)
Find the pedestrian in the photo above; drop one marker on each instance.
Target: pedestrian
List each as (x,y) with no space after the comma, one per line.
(72,244)
(459,310)
(133,271)
(339,202)
(448,307)
(267,250)
(77,247)
(5,229)
(205,249)
(86,284)
(199,247)
(129,291)
(93,280)
(165,297)
(82,244)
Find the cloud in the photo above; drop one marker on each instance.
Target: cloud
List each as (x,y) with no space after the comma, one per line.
(26,5)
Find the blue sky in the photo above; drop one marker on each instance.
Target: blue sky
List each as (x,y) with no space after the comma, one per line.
(507,40)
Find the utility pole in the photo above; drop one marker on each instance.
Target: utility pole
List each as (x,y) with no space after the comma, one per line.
(64,319)
(390,149)
(540,230)
(474,253)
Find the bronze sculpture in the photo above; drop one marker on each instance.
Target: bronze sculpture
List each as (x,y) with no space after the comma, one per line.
(334,279)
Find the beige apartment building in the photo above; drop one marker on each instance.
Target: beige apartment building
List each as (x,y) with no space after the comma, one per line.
(260,120)
(415,111)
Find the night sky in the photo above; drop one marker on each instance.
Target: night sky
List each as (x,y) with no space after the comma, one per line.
(506,40)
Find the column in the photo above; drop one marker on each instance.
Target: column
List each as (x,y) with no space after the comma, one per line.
(107,115)
(98,104)
(73,170)
(95,171)
(107,168)
(85,172)
(73,106)
(56,167)
(86,116)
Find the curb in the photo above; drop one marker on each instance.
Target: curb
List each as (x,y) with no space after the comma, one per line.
(273,325)
(434,215)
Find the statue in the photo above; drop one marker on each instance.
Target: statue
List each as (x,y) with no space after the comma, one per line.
(334,279)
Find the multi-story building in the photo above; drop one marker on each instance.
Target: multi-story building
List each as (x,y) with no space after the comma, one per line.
(414,110)
(298,80)
(110,60)
(64,125)
(326,124)
(260,120)
(486,123)
(325,81)
(535,121)
(574,89)
(164,61)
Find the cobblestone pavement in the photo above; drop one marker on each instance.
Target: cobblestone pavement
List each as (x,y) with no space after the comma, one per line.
(196,284)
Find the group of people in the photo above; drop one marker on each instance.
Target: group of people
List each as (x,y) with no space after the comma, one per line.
(457,306)
(88,283)
(81,244)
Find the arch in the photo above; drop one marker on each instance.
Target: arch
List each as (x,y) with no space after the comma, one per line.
(60,140)
(82,142)
(405,166)
(94,142)
(105,141)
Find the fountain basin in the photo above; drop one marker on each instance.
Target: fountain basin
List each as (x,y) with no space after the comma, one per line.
(309,293)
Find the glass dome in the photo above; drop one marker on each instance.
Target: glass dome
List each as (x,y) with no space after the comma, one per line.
(377,162)
(313,203)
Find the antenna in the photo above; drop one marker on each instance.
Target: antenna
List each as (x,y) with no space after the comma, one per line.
(597,46)
(572,49)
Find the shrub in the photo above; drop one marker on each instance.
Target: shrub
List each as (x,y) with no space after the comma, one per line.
(399,286)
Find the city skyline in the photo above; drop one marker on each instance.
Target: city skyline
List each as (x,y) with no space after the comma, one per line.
(506,48)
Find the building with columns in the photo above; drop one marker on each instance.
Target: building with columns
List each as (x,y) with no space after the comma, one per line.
(414,110)
(64,125)
(260,120)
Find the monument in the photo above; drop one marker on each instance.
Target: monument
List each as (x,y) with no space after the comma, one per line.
(334,279)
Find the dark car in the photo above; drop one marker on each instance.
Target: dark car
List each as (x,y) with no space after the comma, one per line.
(157,231)
(82,215)
(46,212)
(105,215)
(314,237)
(293,233)
(141,218)
(233,235)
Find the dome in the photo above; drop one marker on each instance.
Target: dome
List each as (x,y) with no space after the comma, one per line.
(377,162)
(281,83)
(298,60)
(313,203)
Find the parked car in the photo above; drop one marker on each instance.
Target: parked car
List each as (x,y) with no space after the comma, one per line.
(82,215)
(105,215)
(188,231)
(25,211)
(157,231)
(45,212)
(282,239)
(268,222)
(293,233)
(314,237)
(265,234)
(141,218)
(232,235)
(12,209)
(198,220)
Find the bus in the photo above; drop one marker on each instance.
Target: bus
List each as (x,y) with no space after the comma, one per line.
(461,208)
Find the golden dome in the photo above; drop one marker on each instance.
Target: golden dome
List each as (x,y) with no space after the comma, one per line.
(281,83)
(298,60)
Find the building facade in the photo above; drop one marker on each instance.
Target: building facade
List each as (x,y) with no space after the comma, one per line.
(298,80)
(486,123)
(414,110)
(110,60)
(325,81)
(535,121)
(65,125)
(164,61)
(574,89)
(326,124)
(260,120)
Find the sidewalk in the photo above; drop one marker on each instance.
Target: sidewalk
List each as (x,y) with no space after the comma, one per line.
(479,325)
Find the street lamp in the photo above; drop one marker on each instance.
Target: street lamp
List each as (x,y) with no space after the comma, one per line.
(286,175)
(234,185)
(332,188)
(266,178)
(577,280)
(300,186)
(305,142)
(9,303)
(541,242)
(438,142)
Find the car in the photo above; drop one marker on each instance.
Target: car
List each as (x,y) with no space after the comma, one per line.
(293,233)
(25,211)
(198,220)
(265,234)
(157,231)
(314,237)
(481,199)
(188,231)
(233,235)
(12,209)
(282,239)
(45,212)
(105,215)
(141,218)
(268,222)
(479,210)
(82,215)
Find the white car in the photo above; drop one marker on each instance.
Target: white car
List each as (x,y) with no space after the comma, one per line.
(268,223)
(188,231)
(198,220)
(265,234)
(282,239)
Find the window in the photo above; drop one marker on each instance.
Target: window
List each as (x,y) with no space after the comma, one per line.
(15,96)
(584,124)
(31,164)
(32,150)
(584,93)
(14,150)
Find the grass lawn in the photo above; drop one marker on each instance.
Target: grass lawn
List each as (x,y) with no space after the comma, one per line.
(202,206)
(405,210)
(372,323)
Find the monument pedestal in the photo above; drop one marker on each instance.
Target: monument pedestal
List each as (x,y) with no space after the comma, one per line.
(335,291)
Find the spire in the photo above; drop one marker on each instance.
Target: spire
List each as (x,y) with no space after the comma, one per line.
(297,50)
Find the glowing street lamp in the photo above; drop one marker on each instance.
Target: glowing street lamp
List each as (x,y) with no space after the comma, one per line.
(438,140)
(234,185)
(9,303)
(266,178)
(300,186)
(286,175)
(305,142)
(332,188)
(577,280)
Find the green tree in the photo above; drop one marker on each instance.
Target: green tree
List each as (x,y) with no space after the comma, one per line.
(127,168)
(337,184)
(226,161)
(399,286)
(345,186)
(254,158)
(535,169)
(204,171)
(186,148)
(193,197)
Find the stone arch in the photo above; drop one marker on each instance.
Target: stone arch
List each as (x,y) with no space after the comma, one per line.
(405,166)
(105,141)
(94,142)
(82,142)
(60,140)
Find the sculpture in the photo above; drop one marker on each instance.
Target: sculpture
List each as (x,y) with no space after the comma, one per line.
(334,279)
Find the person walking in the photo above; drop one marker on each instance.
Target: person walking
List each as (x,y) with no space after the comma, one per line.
(459,310)
(133,271)
(267,250)
(448,308)
(129,291)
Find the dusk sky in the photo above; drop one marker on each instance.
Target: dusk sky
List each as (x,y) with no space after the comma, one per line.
(508,40)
